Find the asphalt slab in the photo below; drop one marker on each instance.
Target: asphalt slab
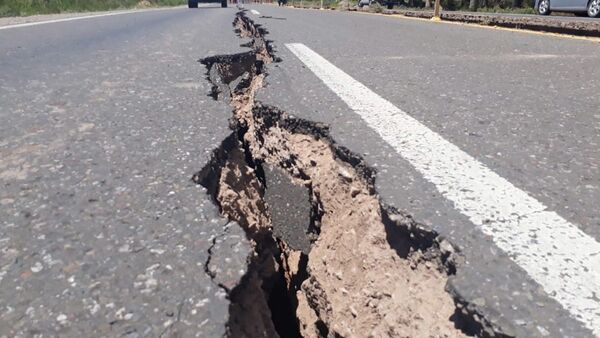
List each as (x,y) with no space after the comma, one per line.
(478,88)
(105,121)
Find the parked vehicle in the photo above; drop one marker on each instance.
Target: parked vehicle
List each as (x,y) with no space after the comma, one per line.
(362,3)
(194,3)
(386,3)
(389,4)
(579,7)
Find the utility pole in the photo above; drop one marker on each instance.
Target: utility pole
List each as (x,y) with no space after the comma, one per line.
(437,9)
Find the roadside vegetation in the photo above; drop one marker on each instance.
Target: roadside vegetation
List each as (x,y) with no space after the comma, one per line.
(32,7)
(488,6)
(499,6)
(327,4)
(496,6)
(511,10)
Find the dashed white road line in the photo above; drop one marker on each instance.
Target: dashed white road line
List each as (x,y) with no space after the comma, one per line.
(29,24)
(255,12)
(555,253)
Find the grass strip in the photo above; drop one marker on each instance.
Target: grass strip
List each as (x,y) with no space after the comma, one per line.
(33,7)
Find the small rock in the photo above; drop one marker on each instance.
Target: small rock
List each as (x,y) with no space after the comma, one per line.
(95,308)
(345,174)
(37,267)
(151,283)
(119,314)
(543,331)
(446,247)
(61,319)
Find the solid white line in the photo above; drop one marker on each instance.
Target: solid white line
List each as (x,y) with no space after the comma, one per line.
(255,12)
(555,253)
(29,24)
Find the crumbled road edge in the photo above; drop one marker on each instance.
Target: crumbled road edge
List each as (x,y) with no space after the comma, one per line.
(582,28)
(371,270)
(541,24)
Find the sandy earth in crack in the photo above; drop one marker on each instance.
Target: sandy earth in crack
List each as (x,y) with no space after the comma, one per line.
(359,285)
(239,194)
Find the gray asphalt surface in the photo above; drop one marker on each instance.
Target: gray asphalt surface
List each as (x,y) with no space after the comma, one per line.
(525,105)
(106,120)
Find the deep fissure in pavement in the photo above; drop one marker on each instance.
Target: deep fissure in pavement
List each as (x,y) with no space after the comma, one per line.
(344,265)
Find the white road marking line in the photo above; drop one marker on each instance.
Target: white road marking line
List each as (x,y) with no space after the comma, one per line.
(255,12)
(29,24)
(555,253)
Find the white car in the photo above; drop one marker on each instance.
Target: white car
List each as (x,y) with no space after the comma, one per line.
(362,3)
(579,7)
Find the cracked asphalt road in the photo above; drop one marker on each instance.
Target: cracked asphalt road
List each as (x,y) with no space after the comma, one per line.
(105,120)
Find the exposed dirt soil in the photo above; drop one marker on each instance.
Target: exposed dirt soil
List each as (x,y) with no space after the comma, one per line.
(370,272)
(359,285)
(240,194)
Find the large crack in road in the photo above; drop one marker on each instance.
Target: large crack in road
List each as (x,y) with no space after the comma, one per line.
(333,261)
